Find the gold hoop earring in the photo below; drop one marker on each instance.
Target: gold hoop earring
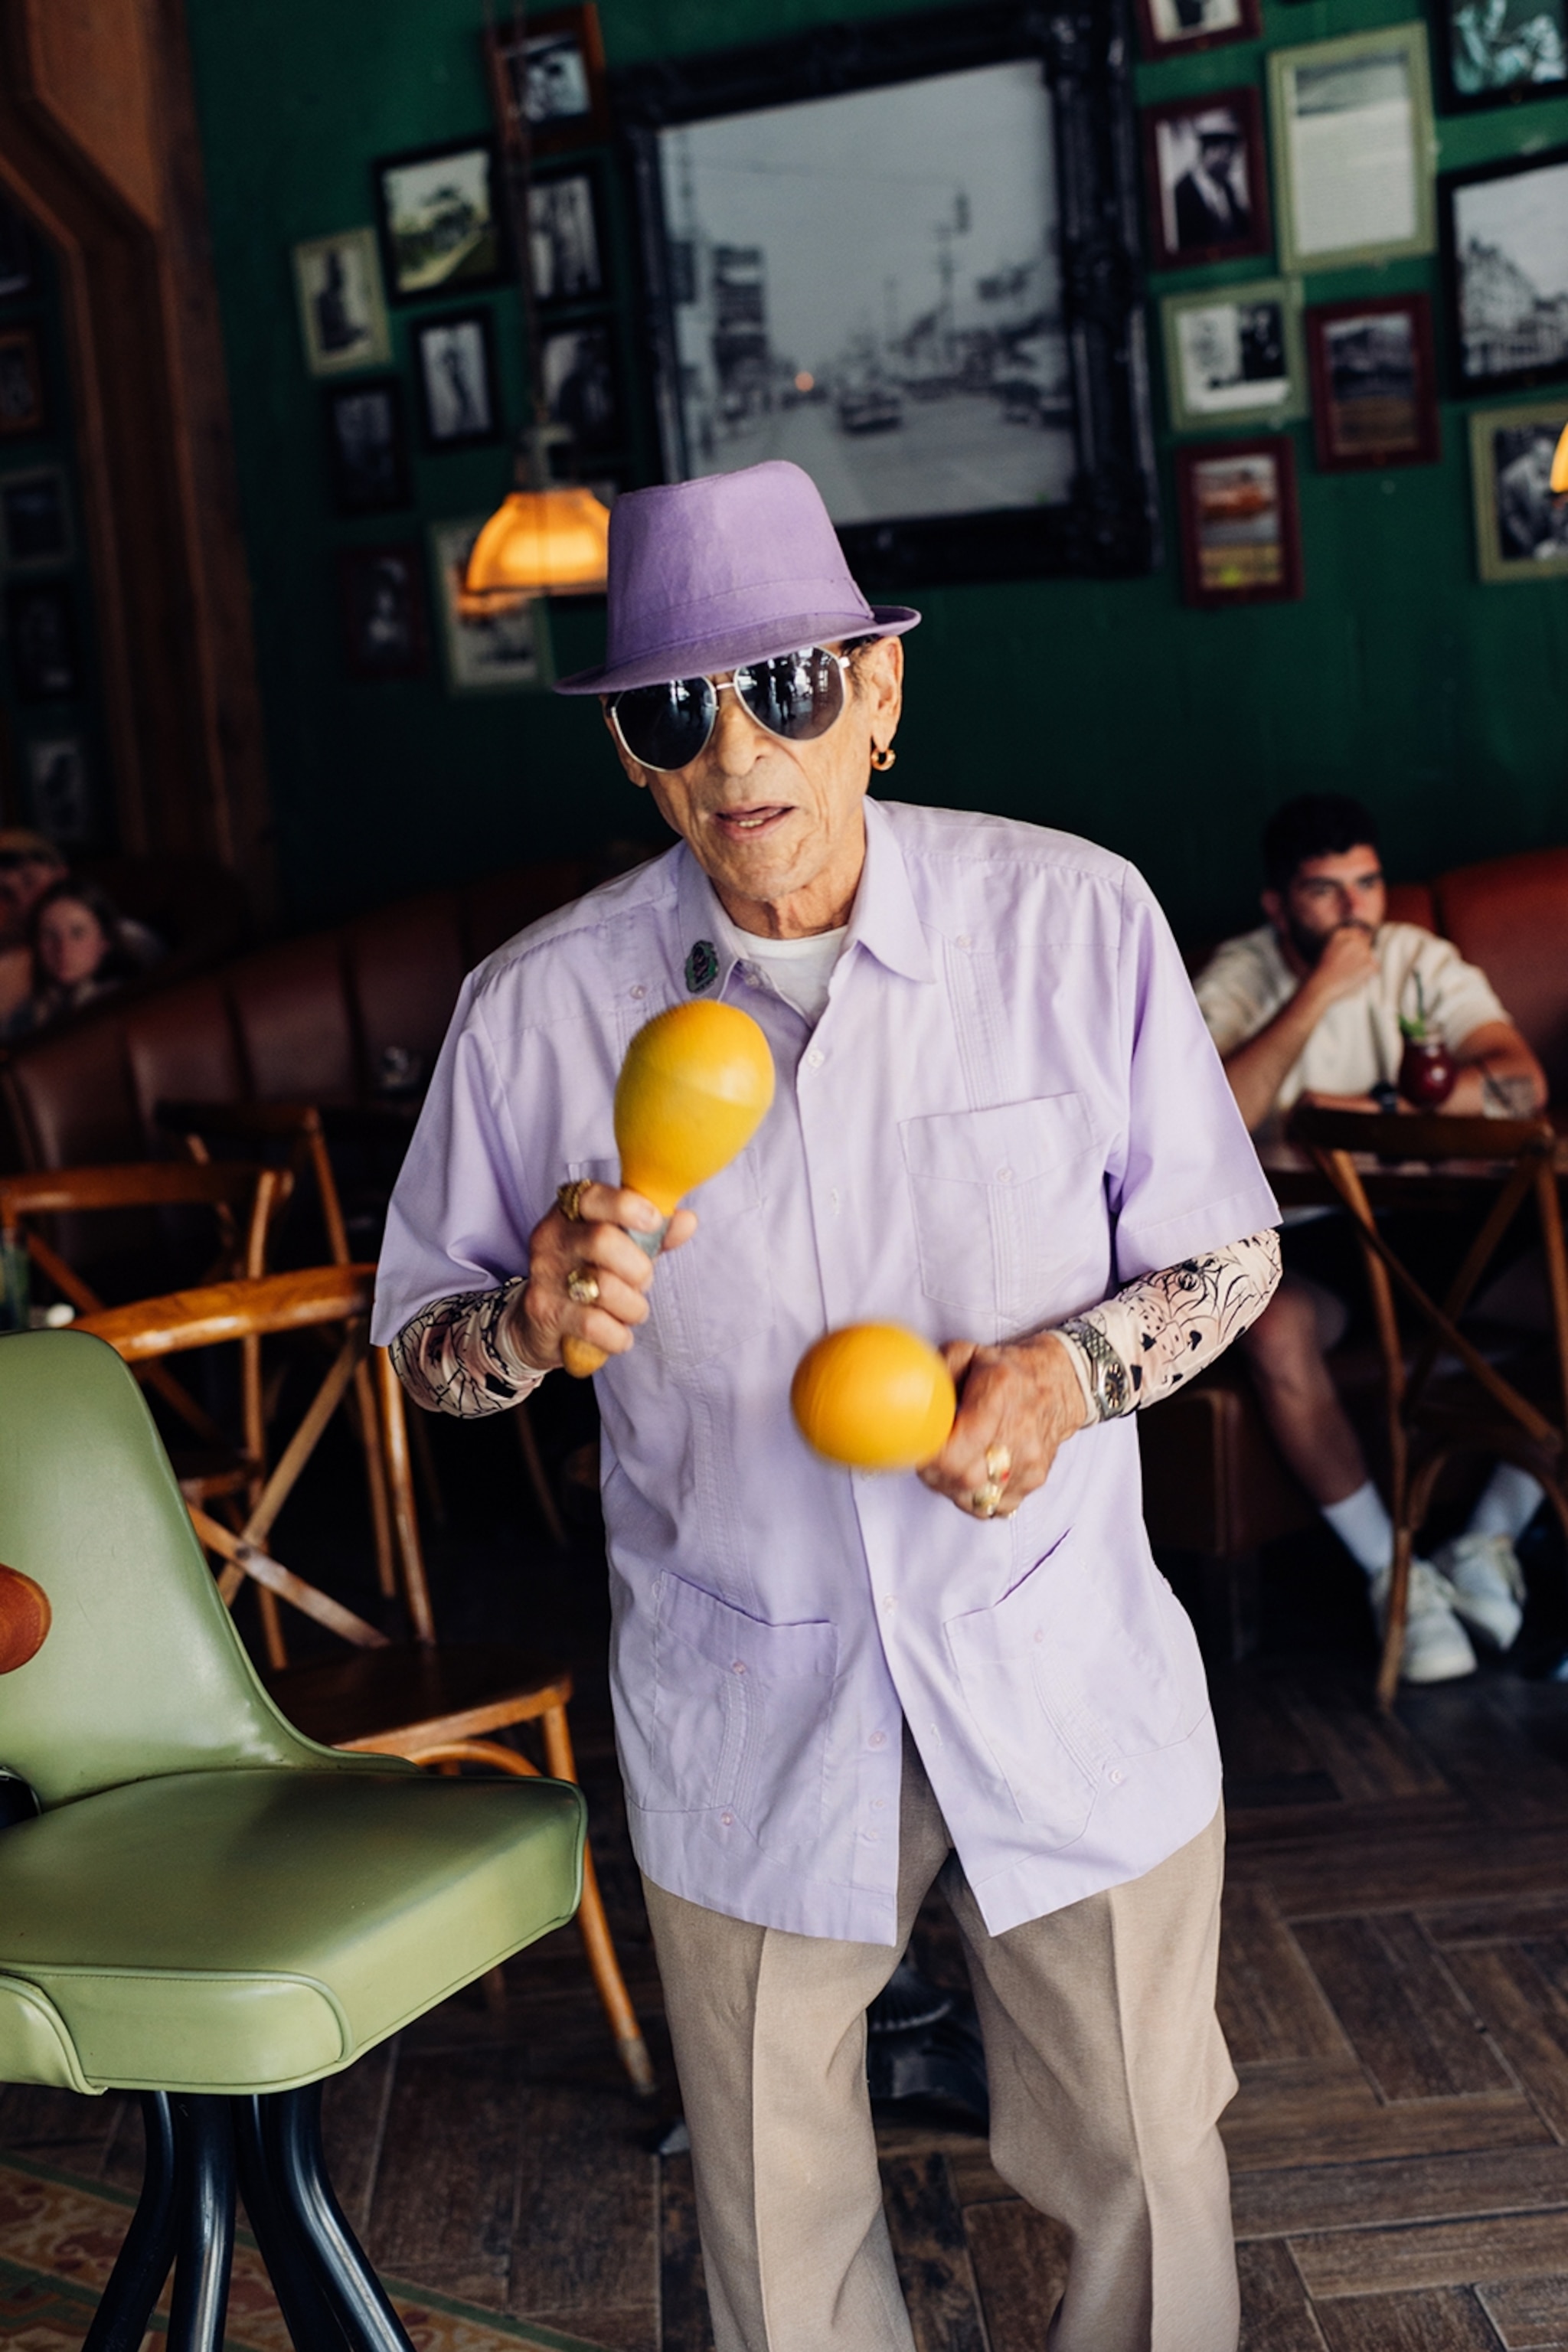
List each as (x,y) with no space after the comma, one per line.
(882,758)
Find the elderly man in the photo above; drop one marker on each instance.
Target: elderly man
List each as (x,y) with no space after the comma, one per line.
(996,1102)
(1307,1007)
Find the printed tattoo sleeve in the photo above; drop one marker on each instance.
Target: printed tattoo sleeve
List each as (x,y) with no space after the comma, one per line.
(457,1355)
(1161,1330)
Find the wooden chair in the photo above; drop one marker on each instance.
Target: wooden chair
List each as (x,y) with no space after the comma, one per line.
(1434,1411)
(436,1705)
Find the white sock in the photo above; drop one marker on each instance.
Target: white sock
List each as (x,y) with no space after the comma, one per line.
(1509,1503)
(1363,1524)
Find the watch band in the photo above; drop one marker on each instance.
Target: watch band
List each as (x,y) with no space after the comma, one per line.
(1109,1385)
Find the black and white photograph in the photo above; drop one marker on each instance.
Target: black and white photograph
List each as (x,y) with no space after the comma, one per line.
(59,797)
(454,363)
(40,630)
(1170,28)
(35,518)
(1374,394)
(486,651)
(1496,52)
(1207,197)
(16,265)
(552,81)
(22,407)
(367,448)
(578,367)
(441,215)
(342,311)
(381,594)
(1234,354)
(1505,251)
(1351,124)
(565,244)
(1521,530)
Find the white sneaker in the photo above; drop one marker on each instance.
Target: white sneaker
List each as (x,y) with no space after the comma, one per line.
(1436,1647)
(1488,1585)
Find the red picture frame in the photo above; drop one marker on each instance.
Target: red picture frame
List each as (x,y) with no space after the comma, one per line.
(1158,44)
(1189,183)
(1375,396)
(1240,522)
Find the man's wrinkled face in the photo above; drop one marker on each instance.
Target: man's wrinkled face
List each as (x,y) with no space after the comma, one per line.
(1327,893)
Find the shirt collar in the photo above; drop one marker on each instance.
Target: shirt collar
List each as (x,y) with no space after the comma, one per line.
(884,921)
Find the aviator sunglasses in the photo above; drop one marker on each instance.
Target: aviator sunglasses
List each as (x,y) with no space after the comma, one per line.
(797,696)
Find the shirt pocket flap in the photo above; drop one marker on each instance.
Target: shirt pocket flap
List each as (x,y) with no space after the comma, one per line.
(728,1638)
(1009,1144)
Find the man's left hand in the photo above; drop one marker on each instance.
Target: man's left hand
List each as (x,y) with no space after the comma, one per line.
(1015,1405)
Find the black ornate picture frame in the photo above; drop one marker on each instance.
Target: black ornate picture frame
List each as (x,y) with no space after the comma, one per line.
(1085,367)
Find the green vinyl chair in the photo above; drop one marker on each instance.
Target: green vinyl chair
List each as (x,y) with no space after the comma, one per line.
(199,1903)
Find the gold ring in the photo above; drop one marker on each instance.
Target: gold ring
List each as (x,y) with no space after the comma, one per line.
(569,1199)
(581,1287)
(985,1499)
(998,1464)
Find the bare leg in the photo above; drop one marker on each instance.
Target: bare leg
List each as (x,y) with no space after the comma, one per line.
(1285,1351)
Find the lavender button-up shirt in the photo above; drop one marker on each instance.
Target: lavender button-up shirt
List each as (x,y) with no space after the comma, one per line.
(1009,1107)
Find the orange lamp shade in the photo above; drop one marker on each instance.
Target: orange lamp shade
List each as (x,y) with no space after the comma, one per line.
(1560,464)
(552,542)
(693,1089)
(874,1396)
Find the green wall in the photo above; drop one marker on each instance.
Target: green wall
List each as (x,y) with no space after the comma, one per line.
(1107,708)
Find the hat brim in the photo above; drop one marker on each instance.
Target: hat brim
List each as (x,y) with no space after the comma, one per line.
(727,649)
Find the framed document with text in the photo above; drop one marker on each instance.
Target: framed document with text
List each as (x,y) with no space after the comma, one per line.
(1353,150)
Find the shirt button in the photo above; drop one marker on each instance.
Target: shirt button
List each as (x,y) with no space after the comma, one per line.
(962,941)
(814,1059)
(738,1665)
(1116,1777)
(638,993)
(889,1599)
(728,1820)
(878,1740)
(1004,1175)
(878,1804)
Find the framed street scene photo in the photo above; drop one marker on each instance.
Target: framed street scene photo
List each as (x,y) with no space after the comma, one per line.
(22,408)
(40,629)
(342,311)
(1233,355)
(35,519)
(1521,530)
(582,388)
(1496,52)
(1374,387)
(1351,122)
(381,591)
(1169,29)
(441,215)
(367,448)
(1240,539)
(59,793)
(1505,270)
(455,365)
(17,268)
(1207,187)
(552,81)
(852,251)
(486,651)
(566,238)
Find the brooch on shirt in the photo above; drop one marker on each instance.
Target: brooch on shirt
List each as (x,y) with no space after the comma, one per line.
(701,967)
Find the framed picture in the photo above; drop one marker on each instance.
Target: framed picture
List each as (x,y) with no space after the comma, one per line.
(552,81)
(1496,52)
(22,406)
(1353,145)
(577,365)
(1375,383)
(367,448)
(453,360)
(923,360)
(1505,270)
(1170,28)
(566,238)
(1240,537)
(59,791)
(380,590)
(1233,355)
(441,213)
(1521,530)
(1208,191)
(486,653)
(17,271)
(35,518)
(40,627)
(342,311)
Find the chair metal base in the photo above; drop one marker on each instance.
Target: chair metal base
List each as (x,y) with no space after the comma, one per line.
(198,2149)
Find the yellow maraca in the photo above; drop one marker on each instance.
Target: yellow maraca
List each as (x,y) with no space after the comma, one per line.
(693,1090)
(874,1396)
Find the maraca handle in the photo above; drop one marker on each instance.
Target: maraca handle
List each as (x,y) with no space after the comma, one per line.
(582,1359)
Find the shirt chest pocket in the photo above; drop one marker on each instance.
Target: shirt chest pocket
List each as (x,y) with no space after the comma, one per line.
(1006,1203)
(714,1293)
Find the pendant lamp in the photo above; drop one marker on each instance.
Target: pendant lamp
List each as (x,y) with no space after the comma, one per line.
(1560,464)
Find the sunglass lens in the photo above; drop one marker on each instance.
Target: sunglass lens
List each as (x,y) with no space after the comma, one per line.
(797,696)
(666,726)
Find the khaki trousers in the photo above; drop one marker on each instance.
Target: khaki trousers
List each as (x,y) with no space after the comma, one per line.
(1107,2070)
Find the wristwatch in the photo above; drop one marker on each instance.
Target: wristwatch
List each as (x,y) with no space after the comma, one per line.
(1385,1095)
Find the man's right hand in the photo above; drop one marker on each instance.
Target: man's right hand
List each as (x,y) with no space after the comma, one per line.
(598,1245)
(1348,962)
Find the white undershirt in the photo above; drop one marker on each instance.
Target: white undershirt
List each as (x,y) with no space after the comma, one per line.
(798,970)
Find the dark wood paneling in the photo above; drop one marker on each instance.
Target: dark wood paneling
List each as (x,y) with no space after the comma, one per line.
(1401,2008)
(932,2255)
(1020,2260)
(1451,2321)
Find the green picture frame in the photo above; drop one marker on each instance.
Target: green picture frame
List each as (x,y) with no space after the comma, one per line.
(1226,340)
(1355,150)
(1522,531)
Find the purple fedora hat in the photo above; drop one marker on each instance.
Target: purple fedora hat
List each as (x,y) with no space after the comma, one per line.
(734,568)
